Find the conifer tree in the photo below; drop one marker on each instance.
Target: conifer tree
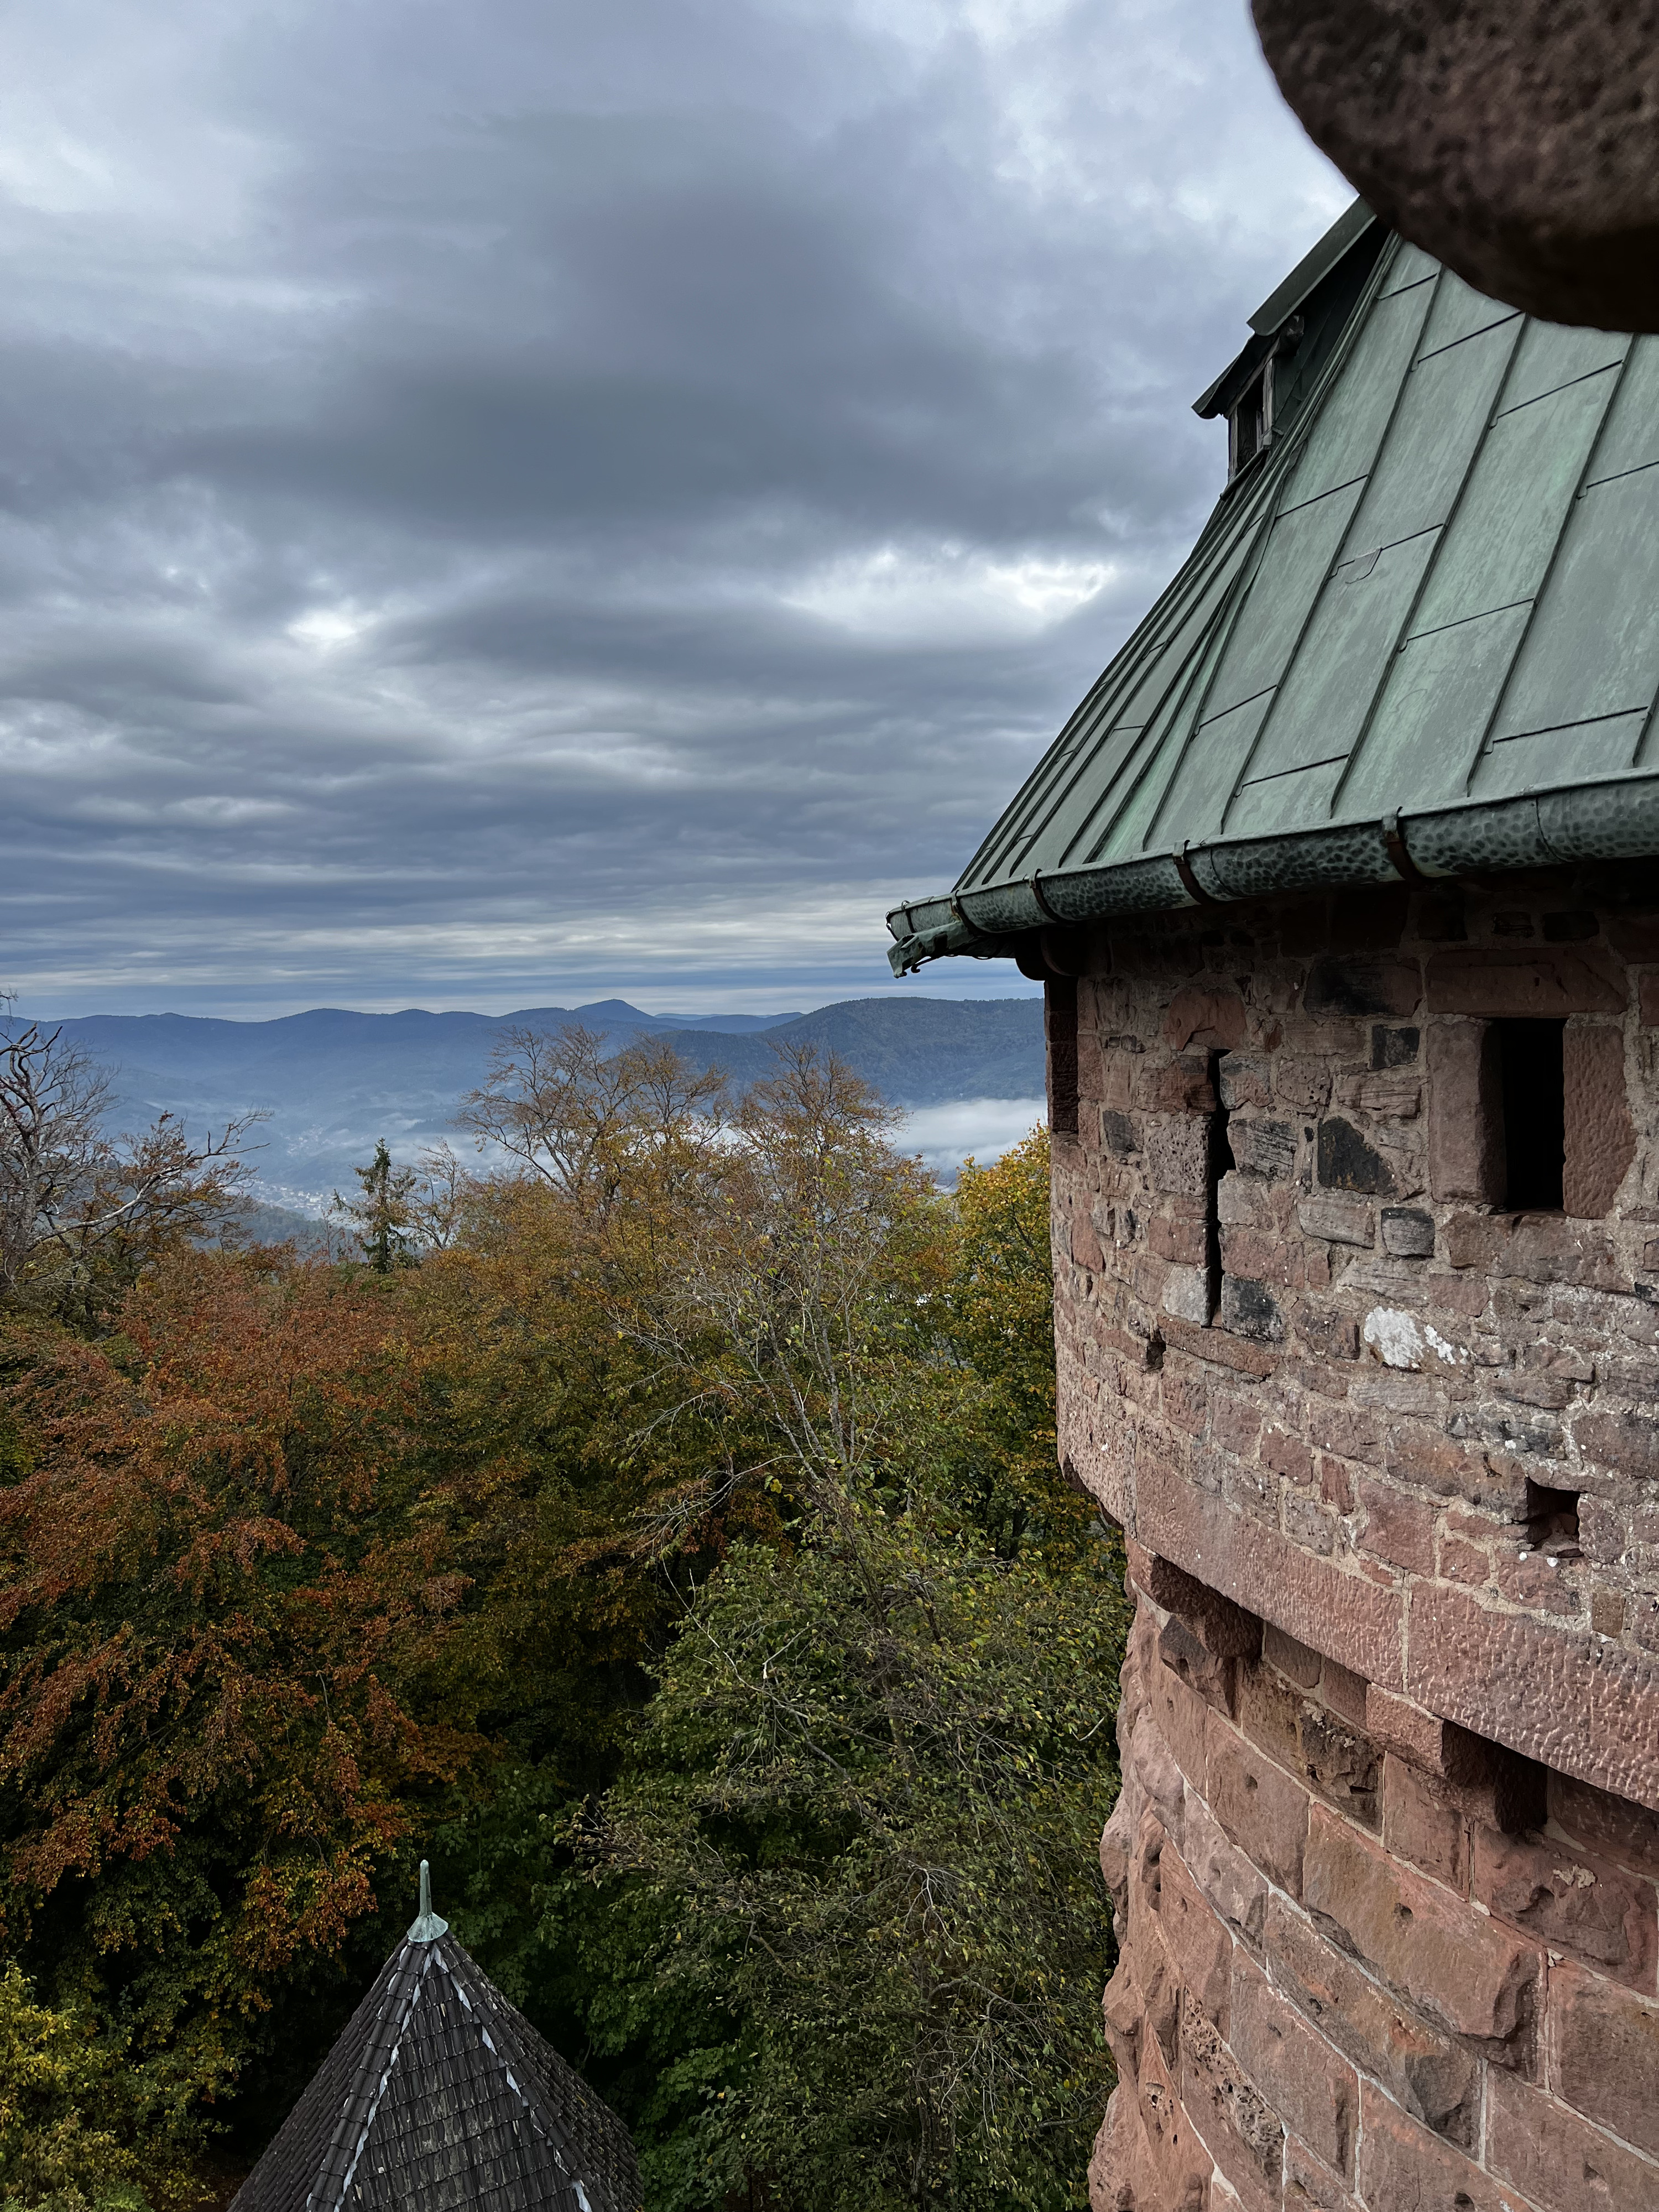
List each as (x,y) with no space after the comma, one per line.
(385,1214)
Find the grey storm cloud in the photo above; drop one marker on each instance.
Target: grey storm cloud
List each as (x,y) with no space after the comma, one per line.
(536,499)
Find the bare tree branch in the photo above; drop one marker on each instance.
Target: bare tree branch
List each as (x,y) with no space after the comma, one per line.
(70,1194)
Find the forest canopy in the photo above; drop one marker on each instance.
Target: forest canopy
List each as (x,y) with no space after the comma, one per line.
(655,1523)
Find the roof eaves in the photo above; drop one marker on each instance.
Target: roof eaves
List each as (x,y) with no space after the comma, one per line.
(1232,378)
(1612,819)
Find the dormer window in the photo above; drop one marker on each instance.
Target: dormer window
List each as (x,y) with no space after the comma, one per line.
(1250,420)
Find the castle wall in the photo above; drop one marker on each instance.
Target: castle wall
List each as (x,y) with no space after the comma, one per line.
(1387,1856)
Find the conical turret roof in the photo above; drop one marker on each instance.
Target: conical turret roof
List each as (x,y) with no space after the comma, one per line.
(1420,635)
(438,2096)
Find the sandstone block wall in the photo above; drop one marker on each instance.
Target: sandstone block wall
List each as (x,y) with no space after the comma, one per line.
(1386,1457)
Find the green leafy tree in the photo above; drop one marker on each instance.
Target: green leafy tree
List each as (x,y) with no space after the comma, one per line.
(67,2117)
(853,1841)
(864,1804)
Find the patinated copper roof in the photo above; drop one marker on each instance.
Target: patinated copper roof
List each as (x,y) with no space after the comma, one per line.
(1420,633)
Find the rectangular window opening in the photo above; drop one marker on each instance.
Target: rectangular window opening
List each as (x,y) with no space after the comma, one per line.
(1533,1087)
(1059,1018)
(1250,422)
(1217,1161)
(1552,1519)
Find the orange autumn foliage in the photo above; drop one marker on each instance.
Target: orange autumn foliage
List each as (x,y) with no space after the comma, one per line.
(216,1588)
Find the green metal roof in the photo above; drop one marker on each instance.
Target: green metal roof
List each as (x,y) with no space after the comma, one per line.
(1419,634)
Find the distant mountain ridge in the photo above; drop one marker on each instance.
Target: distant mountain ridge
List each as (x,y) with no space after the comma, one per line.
(333,1081)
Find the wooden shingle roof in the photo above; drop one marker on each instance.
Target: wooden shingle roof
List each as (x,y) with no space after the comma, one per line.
(1419,635)
(438,2096)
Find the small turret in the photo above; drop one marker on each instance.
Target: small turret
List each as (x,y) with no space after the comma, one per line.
(438,2096)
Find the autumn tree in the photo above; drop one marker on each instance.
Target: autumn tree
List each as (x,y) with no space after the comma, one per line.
(852,1848)
(997,1315)
(563,1109)
(219,1609)
(81,1212)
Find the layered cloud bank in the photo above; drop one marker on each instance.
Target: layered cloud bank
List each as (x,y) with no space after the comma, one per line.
(506,500)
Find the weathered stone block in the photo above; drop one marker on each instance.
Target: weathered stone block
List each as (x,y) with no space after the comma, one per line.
(1423,1824)
(1175,1086)
(1626,1442)
(1245,2136)
(1605,2051)
(1217,1346)
(1537,1247)
(1207,1676)
(1294,1660)
(1176,1149)
(1340,1765)
(1339,1217)
(1574,1903)
(1472,1977)
(1601,1135)
(1244,1201)
(1394,1097)
(1233,1886)
(1249,1310)
(1312,2089)
(1224,1628)
(1401,2165)
(1557,2160)
(1235,1424)
(1246,1081)
(1198,1942)
(1263,1148)
(1121,1133)
(1327,1333)
(1261,1809)
(1308,2187)
(1466,1127)
(1393,1047)
(1177,1711)
(1176,1239)
(1397,1527)
(1433,2077)
(1407,1232)
(1358,985)
(1335,1611)
(1610,1826)
(1186,1295)
(1347,1161)
(1302,1084)
(1287,1455)
(1482,980)
(1555,1694)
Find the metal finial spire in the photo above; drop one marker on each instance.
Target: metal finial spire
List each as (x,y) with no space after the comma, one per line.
(428,1927)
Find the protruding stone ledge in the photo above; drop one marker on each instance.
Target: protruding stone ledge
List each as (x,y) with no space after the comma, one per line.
(1567,1697)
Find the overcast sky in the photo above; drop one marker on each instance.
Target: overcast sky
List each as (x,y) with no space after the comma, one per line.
(505,503)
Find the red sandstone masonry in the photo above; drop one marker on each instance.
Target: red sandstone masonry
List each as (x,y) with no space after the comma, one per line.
(1354,2068)
(1340,1613)
(1391,1936)
(1569,1699)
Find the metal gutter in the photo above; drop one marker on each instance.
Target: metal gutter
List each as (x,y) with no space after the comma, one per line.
(1614,818)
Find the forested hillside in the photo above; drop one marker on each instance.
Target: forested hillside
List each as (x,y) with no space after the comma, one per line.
(329,1081)
(662,1535)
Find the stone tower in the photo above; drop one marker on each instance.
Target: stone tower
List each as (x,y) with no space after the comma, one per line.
(1342,884)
